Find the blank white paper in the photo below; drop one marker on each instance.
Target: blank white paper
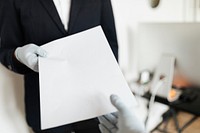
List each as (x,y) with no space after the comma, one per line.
(77,78)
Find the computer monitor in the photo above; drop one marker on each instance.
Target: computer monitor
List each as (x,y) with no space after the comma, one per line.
(181,40)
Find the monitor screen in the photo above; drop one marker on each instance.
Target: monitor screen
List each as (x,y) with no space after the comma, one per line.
(181,40)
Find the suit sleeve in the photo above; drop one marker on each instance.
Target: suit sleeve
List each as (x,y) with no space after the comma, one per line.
(11,37)
(1,15)
(108,25)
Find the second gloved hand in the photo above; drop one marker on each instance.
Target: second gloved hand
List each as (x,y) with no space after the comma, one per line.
(28,55)
(124,121)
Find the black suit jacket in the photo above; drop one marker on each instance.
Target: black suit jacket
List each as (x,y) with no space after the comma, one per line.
(37,21)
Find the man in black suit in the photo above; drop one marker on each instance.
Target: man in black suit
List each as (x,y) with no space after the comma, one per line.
(28,24)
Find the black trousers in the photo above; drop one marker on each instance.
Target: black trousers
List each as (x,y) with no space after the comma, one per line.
(88,126)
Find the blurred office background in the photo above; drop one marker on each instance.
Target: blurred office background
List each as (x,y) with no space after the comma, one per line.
(128,14)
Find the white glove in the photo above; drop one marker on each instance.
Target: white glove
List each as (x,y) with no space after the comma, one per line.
(28,55)
(125,121)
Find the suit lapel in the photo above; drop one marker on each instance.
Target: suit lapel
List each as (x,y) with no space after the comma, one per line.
(75,9)
(51,9)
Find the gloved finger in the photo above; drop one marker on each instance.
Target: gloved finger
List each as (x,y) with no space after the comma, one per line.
(106,122)
(118,103)
(114,130)
(115,114)
(103,129)
(33,62)
(41,52)
(36,69)
(111,118)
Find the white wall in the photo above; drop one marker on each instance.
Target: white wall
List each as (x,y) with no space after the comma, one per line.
(12,117)
(128,13)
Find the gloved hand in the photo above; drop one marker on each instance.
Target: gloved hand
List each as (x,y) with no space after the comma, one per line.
(28,55)
(125,121)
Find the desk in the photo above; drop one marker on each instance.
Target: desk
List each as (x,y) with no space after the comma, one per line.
(192,107)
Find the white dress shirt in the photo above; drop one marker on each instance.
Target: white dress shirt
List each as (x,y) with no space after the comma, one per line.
(63,8)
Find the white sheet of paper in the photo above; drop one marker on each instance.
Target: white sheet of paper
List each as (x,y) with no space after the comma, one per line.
(77,79)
